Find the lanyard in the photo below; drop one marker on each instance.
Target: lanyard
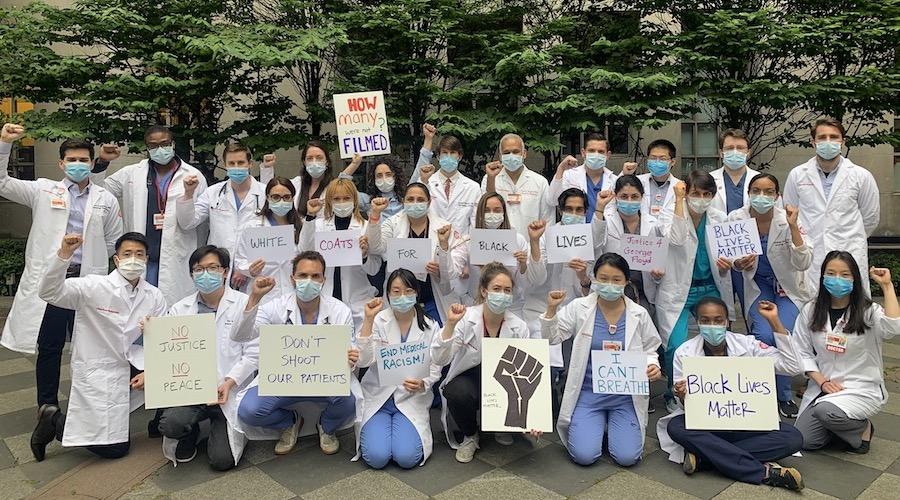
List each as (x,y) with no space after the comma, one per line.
(484,324)
(161,198)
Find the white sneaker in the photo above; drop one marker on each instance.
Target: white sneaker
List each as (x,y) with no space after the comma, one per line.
(288,438)
(466,451)
(671,405)
(503,438)
(328,442)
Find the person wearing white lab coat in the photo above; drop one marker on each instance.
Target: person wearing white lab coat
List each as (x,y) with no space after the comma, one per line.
(838,200)
(144,190)
(778,275)
(747,456)
(691,271)
(525,192)
(604,320)
(72,205)
(394,419)
(459,345)
(839,340)
(659,184)
(107,366)
(416,221)
(349,284)
(733,178)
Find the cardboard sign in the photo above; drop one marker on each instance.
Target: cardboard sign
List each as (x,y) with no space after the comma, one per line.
(362,126)
(180,361)
(566,242)
(340,248)
(270,243)
(304,360)
(492,245)
(645,253)
(619,372)
(733,239)
(730,393)
(411,254)
(397,362)
(515,385)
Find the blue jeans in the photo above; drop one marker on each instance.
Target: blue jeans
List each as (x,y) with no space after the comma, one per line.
(590,422)
(271,411)
(390,435)
(679,332)
(759,327)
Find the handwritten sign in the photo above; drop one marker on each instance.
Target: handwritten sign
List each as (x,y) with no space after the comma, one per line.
(411,254)
(396,362)
(645,253)
(304,360)
(340,248)
(730,393)
(733,239)
(567,242)
(361,124)
(492,245)
(619,372)
(180,361)
(270,243)
(515,385)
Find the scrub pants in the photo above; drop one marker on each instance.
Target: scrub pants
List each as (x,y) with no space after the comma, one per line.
(738,455)
(679,332)
(390,435)
(271,411)
(616,417)
(820,423)
(759,327)
(183,422)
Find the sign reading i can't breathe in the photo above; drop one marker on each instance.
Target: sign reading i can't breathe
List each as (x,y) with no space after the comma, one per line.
(361,124)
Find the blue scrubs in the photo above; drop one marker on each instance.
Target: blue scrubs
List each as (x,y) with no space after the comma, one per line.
(390,435)
(592,191)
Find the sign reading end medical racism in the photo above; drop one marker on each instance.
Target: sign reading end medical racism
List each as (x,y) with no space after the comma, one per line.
(730,393)
(515,385)
(270,243)
(339,248)
(397,362)
(362,126)
(301,360)
(492,245)
(733,239)
(180,361)
(567,242)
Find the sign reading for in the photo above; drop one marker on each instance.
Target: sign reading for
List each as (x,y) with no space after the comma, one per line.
(730,393)
(180,361)
(362,126)
(411,254)
(304,360)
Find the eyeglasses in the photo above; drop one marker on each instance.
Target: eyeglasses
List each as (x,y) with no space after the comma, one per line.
(274,198)
(162,144)
(215,269)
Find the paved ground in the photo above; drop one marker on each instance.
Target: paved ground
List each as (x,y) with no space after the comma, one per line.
(519,472)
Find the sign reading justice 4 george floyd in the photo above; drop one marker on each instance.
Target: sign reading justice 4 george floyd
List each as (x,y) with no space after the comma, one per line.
(730,393)
(361,124)
(180,361)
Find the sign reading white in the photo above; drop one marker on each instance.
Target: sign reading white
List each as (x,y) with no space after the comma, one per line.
(411,254)
(304,360)
(180,361)
(362,126)
(619,372)
(397,362)
(340,248)
(730,393)
(515,385)
(269,243)
(567,242)
(733,239)
(645,253)
(492,245)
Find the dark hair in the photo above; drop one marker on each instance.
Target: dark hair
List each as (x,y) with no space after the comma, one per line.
(154,129)
(733,132)
(710,300)
(831,122)
(236,148)
(132,236)
(482,207)
(391,162)
(409,279)
(615,260)
(292,216)
(70,144)
(490,271)
(565,195)
(700,179)
(450,143)
(197,256)
(629,180)
(764,176)
(308,255)
(662,143)
(307,179)
(859,301)
(419,185)
(595,136)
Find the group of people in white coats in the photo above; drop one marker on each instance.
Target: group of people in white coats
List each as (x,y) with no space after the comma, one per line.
(817,322)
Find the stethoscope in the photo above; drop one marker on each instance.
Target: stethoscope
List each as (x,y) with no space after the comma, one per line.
(222,194)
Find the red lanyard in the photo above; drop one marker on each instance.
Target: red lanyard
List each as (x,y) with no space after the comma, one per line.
(161,199)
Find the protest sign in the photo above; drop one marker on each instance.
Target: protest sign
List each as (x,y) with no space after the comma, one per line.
(396,362)
(180,361)
(566,242)
(515,385)
(733,239)
(362,126)
(619,372)
(492,245)
(269,243)
(730,393)
(408,253)
(645,253)
(304,360)
(340,248)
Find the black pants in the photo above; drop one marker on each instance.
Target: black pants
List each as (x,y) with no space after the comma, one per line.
(463,395)
(183,423)
(55,326)
(115,450)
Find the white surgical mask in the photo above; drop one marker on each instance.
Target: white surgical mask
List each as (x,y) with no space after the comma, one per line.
(385,185)
(343,209)
(131,268)
(316,168)
(492,220)
(699,205)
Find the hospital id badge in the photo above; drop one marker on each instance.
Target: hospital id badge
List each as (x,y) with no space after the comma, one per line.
(612,345)
(514,198)
(158,220)
(836,343)
(57,203)
(655,209)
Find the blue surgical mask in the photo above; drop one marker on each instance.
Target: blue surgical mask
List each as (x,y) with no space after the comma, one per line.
(207,282)
(512,162)
(658,167)
(281,208)
(595,161)
(238,175)
(416,210)
(762,203)
(307,290)
(608,291)
(837,286)
(403,303)
(77,171)
(499,302)
(828,150)
(713,334)
(568,219)
(734,159)
(316,168)
(628,207)
(162,155)
(448,163)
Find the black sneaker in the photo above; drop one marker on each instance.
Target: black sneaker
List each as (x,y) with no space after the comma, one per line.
(864,446)
(788,409)
(44,431)
(690,464)
(783,477)
(186,449)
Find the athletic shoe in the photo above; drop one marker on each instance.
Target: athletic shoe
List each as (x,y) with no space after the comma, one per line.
(788,409)
(328,442)
(503,438)
(288,438)
(783,477)
(466,451)
(690,464)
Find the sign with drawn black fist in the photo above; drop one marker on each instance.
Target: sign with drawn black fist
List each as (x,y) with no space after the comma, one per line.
(515,385)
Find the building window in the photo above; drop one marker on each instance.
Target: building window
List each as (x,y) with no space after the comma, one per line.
(21,161)
(699,147)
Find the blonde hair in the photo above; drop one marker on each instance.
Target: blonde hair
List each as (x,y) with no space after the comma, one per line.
(337,185)
(490,271)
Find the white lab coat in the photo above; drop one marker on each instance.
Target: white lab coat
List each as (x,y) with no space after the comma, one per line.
(738,345)
(577,178)
(397,226)
(459,209)
(107,321)
(577,320)
(462,351)
(129,185)
(355,287)
(672,292)
(842,222)
(612,232)
(860,369)
(102,227)
(534,203)
(664,217)
(718,174)
(414,406)
(282,271)
(216,205)
(789,263)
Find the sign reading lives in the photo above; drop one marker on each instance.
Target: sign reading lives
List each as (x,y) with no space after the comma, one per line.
(362,126)
(270,243)
(340,248)
(645,253)
(180,361)
(304,360)
(515,385)
(730,393)
(733,239)
(619,372)
(412,254)
(567,242)
(492,245)
(397,362)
